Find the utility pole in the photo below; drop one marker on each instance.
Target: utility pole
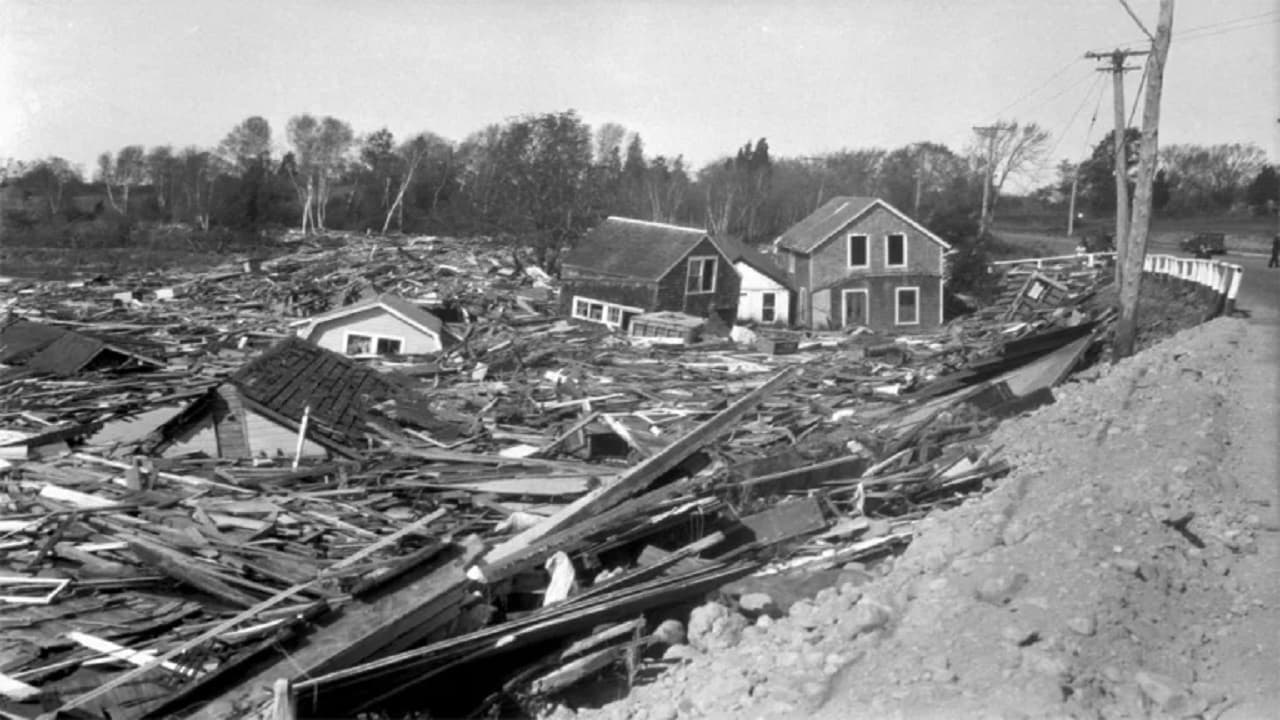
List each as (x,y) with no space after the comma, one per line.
(991,133)
(1117,70)
(1131,287)
(1071,210)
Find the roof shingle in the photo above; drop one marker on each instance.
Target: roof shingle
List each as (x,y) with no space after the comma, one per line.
(635,249)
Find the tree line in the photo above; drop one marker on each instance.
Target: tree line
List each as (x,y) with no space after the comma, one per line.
(541,180)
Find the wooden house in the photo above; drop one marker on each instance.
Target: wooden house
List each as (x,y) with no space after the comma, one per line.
(858,261)
(382,325)
(259,410)
(624,268)
(766,292)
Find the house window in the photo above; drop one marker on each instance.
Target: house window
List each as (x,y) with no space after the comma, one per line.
(857,251)
(791,263)
(895,250)
(907,307)
(768,307)
(580,308)
(615,314)
(359,344)
(389,346)
(595,311)
(702,275)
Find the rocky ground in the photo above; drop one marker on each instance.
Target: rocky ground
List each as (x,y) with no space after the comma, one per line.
(1128,568)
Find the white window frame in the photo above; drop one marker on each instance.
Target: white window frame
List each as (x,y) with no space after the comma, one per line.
(904,250)
(866,251)
(773,311)
(381,338)
(702,264)
(897,305)
(791,263)
(866,305)
(605,309)
(373,342)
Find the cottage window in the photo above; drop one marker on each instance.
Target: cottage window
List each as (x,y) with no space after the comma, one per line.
(580,308)
(359,344)
(791,263)
(615,314)
(768,307)
(702,275)
(895,250)
(858,251)
(907,307)
(389,346)
(595,311)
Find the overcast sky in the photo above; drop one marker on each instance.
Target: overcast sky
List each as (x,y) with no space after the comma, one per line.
(697,78)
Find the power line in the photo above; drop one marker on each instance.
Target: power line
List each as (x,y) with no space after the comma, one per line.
(1096,87)
(1142,81)
(1196,32)
(1058,73)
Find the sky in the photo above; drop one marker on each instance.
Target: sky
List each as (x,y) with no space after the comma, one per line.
(697,78)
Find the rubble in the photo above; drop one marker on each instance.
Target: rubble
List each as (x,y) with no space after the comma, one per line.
(531,495)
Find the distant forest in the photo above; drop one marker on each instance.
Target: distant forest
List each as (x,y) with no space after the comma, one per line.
(542,180)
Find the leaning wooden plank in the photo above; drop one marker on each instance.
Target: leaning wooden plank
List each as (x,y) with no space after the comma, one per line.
(120,652)
(217,630)
(16,689)
(184,569)
(359,635)
(639,477)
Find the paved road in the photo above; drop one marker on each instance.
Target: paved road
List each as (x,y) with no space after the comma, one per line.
(1260,289)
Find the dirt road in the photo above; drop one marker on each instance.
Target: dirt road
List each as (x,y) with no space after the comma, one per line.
(1129,567)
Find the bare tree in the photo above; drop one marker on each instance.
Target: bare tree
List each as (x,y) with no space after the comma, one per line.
(1005,150)
(412,153)
(130,171)
(107,176)
(320,151)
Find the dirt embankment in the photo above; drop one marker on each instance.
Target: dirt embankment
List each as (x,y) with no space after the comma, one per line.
(1128,568)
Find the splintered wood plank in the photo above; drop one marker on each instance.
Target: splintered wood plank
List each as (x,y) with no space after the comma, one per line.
(498,563)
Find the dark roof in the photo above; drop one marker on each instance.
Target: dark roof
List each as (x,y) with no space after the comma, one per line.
(295,374)
(636,249)
(55,350)
(806,235)
(766,265)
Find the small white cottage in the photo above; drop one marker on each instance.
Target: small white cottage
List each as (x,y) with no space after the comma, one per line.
(382,325)
(765,289)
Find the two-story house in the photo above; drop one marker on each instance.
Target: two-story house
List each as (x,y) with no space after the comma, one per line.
(624,268)
(860,261)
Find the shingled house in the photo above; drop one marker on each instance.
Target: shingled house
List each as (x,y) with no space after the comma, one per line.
(766,291)
(259,409)
(624,268)
(860,261)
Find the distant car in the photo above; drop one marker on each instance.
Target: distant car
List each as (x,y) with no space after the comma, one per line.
(1205,245)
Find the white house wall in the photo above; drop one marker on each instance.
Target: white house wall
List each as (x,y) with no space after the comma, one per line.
(267,437)
(374,321)
(754,285)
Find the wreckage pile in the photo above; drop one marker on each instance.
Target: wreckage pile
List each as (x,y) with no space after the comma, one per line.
(529,501)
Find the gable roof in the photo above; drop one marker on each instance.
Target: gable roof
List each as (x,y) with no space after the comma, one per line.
(294,374)
(806,235)
(635,249)
(394,304)
(56,350)
(766,265)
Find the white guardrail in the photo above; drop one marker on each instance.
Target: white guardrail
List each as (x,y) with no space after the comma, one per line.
(1221,278)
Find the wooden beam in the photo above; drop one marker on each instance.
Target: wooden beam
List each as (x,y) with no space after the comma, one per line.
(641,475)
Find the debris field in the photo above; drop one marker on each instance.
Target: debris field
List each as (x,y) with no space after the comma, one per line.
(505,518)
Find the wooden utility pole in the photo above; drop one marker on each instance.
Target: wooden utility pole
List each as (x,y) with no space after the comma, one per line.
(1117,70)
(1130,289)
(1071,209)
(991,133)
